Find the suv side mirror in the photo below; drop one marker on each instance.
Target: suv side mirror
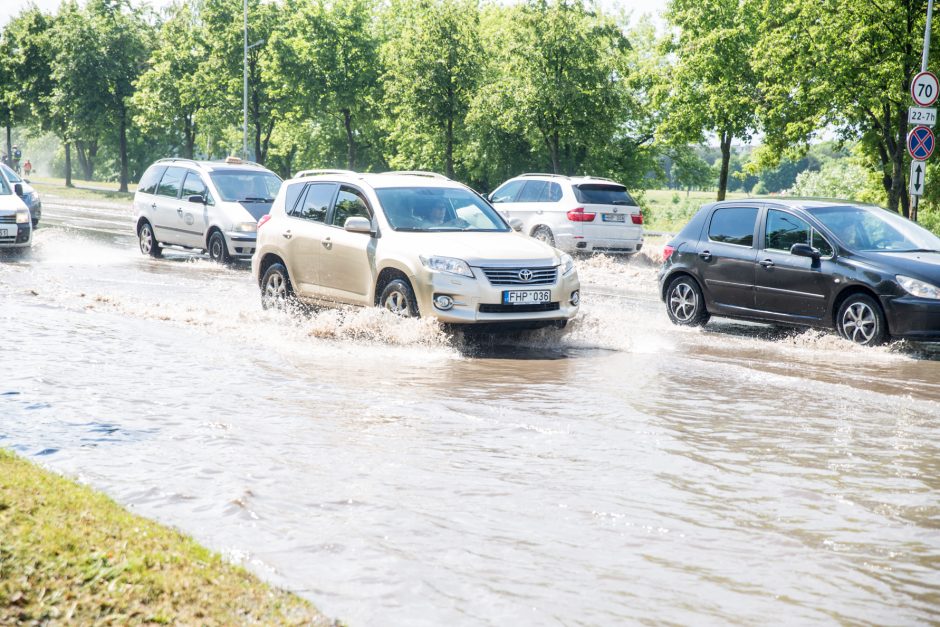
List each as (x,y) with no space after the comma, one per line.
(805,250)
(358,225)
(197,198)
(516,224)
(18,189)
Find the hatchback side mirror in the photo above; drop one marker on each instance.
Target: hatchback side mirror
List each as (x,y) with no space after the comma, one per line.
(805,250)
(516,224)
(197,198)
(358,225)
(18,189)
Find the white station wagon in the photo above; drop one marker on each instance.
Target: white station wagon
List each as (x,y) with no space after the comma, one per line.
(418,244)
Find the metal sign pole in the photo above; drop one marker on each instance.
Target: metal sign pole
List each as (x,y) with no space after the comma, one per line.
(923,68)
(245,87)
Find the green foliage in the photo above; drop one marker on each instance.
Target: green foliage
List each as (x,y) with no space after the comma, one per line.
(836,179)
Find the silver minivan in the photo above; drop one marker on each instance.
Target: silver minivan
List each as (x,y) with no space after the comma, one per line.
(203,205)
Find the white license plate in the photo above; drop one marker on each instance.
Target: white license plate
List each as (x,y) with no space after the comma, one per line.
(528,297)
(613,217)
(5,233)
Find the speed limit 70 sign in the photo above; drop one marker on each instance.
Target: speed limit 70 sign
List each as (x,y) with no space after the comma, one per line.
(924,88)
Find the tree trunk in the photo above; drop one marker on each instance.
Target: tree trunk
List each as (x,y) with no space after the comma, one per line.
(189,135)
(725,161)
(68,164)
(350,140)
(554,150)
(449,149)
(9,146)
(122,139)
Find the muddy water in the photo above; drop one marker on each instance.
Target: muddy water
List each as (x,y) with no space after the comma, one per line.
(622,471)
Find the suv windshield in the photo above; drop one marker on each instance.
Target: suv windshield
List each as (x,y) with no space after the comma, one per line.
(438,209)
(602,194)
(876,229)
(246,185)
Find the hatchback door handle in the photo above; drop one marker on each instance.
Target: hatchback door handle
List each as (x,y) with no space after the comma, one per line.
(327,244)
(706,255)
(767,263)
(179,211)
(287,235)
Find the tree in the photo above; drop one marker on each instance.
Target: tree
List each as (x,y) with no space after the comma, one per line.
(845,65)
(324,59)
(432,55)
(714,86)
(564,80)
(169,94)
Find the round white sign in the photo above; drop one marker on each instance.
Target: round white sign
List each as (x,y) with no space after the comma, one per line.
(924,88)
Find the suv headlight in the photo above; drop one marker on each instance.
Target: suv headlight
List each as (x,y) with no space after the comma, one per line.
(22,216)
(918,288)
(567,264)
(447,264)
(246,227)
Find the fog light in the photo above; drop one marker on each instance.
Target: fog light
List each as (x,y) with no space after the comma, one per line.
(575,297)
(443,302)
(581,245)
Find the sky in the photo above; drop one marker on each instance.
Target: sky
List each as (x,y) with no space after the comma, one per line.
(9,8)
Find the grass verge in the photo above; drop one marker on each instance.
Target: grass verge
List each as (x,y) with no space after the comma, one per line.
(668,210)
(82,190)
(71,555)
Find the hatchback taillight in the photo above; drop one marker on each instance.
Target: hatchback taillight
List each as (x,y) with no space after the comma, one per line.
(667,252)
(637,218)
(577,215)
(263,220)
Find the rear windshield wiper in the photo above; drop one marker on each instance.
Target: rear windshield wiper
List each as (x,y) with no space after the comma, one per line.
(254,199)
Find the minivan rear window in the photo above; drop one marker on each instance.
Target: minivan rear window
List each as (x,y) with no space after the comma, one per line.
(602,194)
(148,182)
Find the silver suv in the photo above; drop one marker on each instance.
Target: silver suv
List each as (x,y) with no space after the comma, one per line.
(413,243)
(203,205)
(574,213)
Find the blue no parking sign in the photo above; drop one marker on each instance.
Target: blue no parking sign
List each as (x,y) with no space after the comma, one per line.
(920,143)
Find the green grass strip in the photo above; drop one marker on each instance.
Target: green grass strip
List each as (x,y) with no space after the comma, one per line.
(69,555)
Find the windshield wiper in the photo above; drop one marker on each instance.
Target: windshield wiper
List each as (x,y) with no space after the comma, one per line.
(255,199)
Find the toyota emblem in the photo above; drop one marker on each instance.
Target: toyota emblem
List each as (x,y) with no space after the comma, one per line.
(525,275)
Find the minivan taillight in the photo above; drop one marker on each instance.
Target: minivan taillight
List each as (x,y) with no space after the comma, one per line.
(667,252)
(577,215)
(263,220)
(637,218)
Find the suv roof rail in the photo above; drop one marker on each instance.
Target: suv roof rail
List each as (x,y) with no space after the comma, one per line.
(316,172)
(433,175)
(561,176)
(598,178)
(225,161)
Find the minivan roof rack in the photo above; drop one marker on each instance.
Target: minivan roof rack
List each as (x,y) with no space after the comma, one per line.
(433,175)
(316,172)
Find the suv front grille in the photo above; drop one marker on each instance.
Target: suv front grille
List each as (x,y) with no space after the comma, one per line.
(510,276)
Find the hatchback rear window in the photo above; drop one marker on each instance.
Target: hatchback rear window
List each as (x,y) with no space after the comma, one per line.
(733,225)
(602,194)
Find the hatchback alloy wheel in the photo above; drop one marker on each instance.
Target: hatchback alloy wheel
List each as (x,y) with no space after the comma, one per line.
(861,321)
(685,304)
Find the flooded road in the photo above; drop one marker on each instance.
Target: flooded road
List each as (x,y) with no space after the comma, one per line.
(621,471)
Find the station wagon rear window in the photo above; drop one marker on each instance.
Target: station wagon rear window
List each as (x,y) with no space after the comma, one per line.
(603,194)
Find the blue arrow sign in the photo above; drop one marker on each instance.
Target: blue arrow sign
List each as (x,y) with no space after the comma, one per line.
(920,143)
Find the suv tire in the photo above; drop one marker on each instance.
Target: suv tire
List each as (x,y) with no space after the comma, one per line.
(544,234)
(861,320)
(685,303)
(399,298)
(276,289)
(148,241)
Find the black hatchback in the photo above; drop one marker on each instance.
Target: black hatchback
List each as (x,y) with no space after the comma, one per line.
(863,270)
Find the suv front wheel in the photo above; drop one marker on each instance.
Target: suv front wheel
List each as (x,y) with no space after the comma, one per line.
(399,298)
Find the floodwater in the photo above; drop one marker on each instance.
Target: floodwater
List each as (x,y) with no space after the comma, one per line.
(622,471)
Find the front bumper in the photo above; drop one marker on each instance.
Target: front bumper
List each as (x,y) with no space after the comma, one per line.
(22,238)
(913,318)
(241,244)
(477,301)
